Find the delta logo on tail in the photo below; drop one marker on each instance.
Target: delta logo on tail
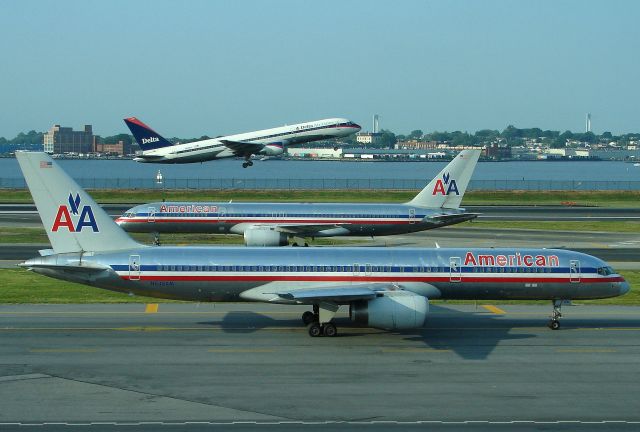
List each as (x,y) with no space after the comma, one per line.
(83,217)
(445,186)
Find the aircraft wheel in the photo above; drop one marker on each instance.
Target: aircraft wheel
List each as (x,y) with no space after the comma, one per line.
(308,317)
(554,324)
(330,329)
(244,164)
(250,163)
(314,329)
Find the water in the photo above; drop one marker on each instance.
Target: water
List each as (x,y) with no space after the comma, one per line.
(334,174)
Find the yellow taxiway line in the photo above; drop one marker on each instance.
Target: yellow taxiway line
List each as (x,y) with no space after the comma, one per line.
(496,310)
(151,308)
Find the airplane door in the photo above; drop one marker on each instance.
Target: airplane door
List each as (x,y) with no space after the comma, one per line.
(222,214)
(412,216)
(134,267)
(152,214)
(455,270)
(356,269)
(574,271)
(367,269)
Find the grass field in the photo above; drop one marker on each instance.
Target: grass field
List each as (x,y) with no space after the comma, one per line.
(581,198)
(20,286)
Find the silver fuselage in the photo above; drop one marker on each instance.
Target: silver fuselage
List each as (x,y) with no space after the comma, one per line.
(254,274)
(309,219)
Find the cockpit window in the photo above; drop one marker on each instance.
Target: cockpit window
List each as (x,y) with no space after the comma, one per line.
(605,271)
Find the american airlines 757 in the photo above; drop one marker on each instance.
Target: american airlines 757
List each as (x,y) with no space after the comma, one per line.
(385,288)
(272,224)
(267,142)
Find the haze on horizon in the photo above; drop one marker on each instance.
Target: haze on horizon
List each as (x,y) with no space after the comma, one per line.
(201,67)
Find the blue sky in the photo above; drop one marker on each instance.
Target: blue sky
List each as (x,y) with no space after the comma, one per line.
(218,67)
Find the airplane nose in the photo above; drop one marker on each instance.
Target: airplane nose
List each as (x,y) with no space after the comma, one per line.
(358,127)
(624,287)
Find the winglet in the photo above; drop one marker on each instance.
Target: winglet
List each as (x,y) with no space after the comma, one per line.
(72,219)
(448,187)
(147,138)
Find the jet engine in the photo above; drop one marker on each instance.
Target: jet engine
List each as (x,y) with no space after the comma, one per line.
(264,236)
(396,310)
(275,149)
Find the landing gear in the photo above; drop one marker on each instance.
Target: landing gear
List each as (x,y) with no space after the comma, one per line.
(156,239)
(247,162)
(554,322)
(314,329)
(308,317)
(328,329)
(319,322)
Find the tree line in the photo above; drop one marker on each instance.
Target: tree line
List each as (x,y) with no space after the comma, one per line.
(511,135)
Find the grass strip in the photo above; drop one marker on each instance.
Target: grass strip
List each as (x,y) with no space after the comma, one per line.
(579,198)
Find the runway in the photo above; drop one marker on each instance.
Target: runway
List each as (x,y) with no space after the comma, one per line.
(255,362)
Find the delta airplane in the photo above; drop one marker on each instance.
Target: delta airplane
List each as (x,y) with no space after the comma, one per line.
(386,288)
(267,142)
(272,224)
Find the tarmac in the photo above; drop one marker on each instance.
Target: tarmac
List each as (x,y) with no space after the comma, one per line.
(243,366)
(175,364)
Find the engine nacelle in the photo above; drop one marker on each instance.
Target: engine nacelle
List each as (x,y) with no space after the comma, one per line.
(273,149)
(264,236)
(397,310)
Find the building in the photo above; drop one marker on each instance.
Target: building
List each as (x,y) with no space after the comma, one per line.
(66,140)
(368,138)
(111,149)
(497,151)
(315,153)
(416,145)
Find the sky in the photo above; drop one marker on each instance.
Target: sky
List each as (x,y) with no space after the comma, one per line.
(190,68)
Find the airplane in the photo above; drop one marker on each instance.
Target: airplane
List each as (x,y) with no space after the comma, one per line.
(387,288)
(267,142)
(271,224)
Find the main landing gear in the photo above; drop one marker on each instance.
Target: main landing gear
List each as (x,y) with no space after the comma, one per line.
(247,161)
(554,322)
(319,322)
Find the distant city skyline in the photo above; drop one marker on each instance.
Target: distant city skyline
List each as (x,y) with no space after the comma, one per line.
(213,68)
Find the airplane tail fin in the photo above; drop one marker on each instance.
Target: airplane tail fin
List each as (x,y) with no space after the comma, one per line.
(448,187)
(72,219)
(147,138)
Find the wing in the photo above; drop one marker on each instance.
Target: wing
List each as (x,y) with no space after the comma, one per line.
(243,148)
(336,294)
(306,229)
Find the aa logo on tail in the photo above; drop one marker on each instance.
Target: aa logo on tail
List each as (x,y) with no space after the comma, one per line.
(81,217)
(445,186)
